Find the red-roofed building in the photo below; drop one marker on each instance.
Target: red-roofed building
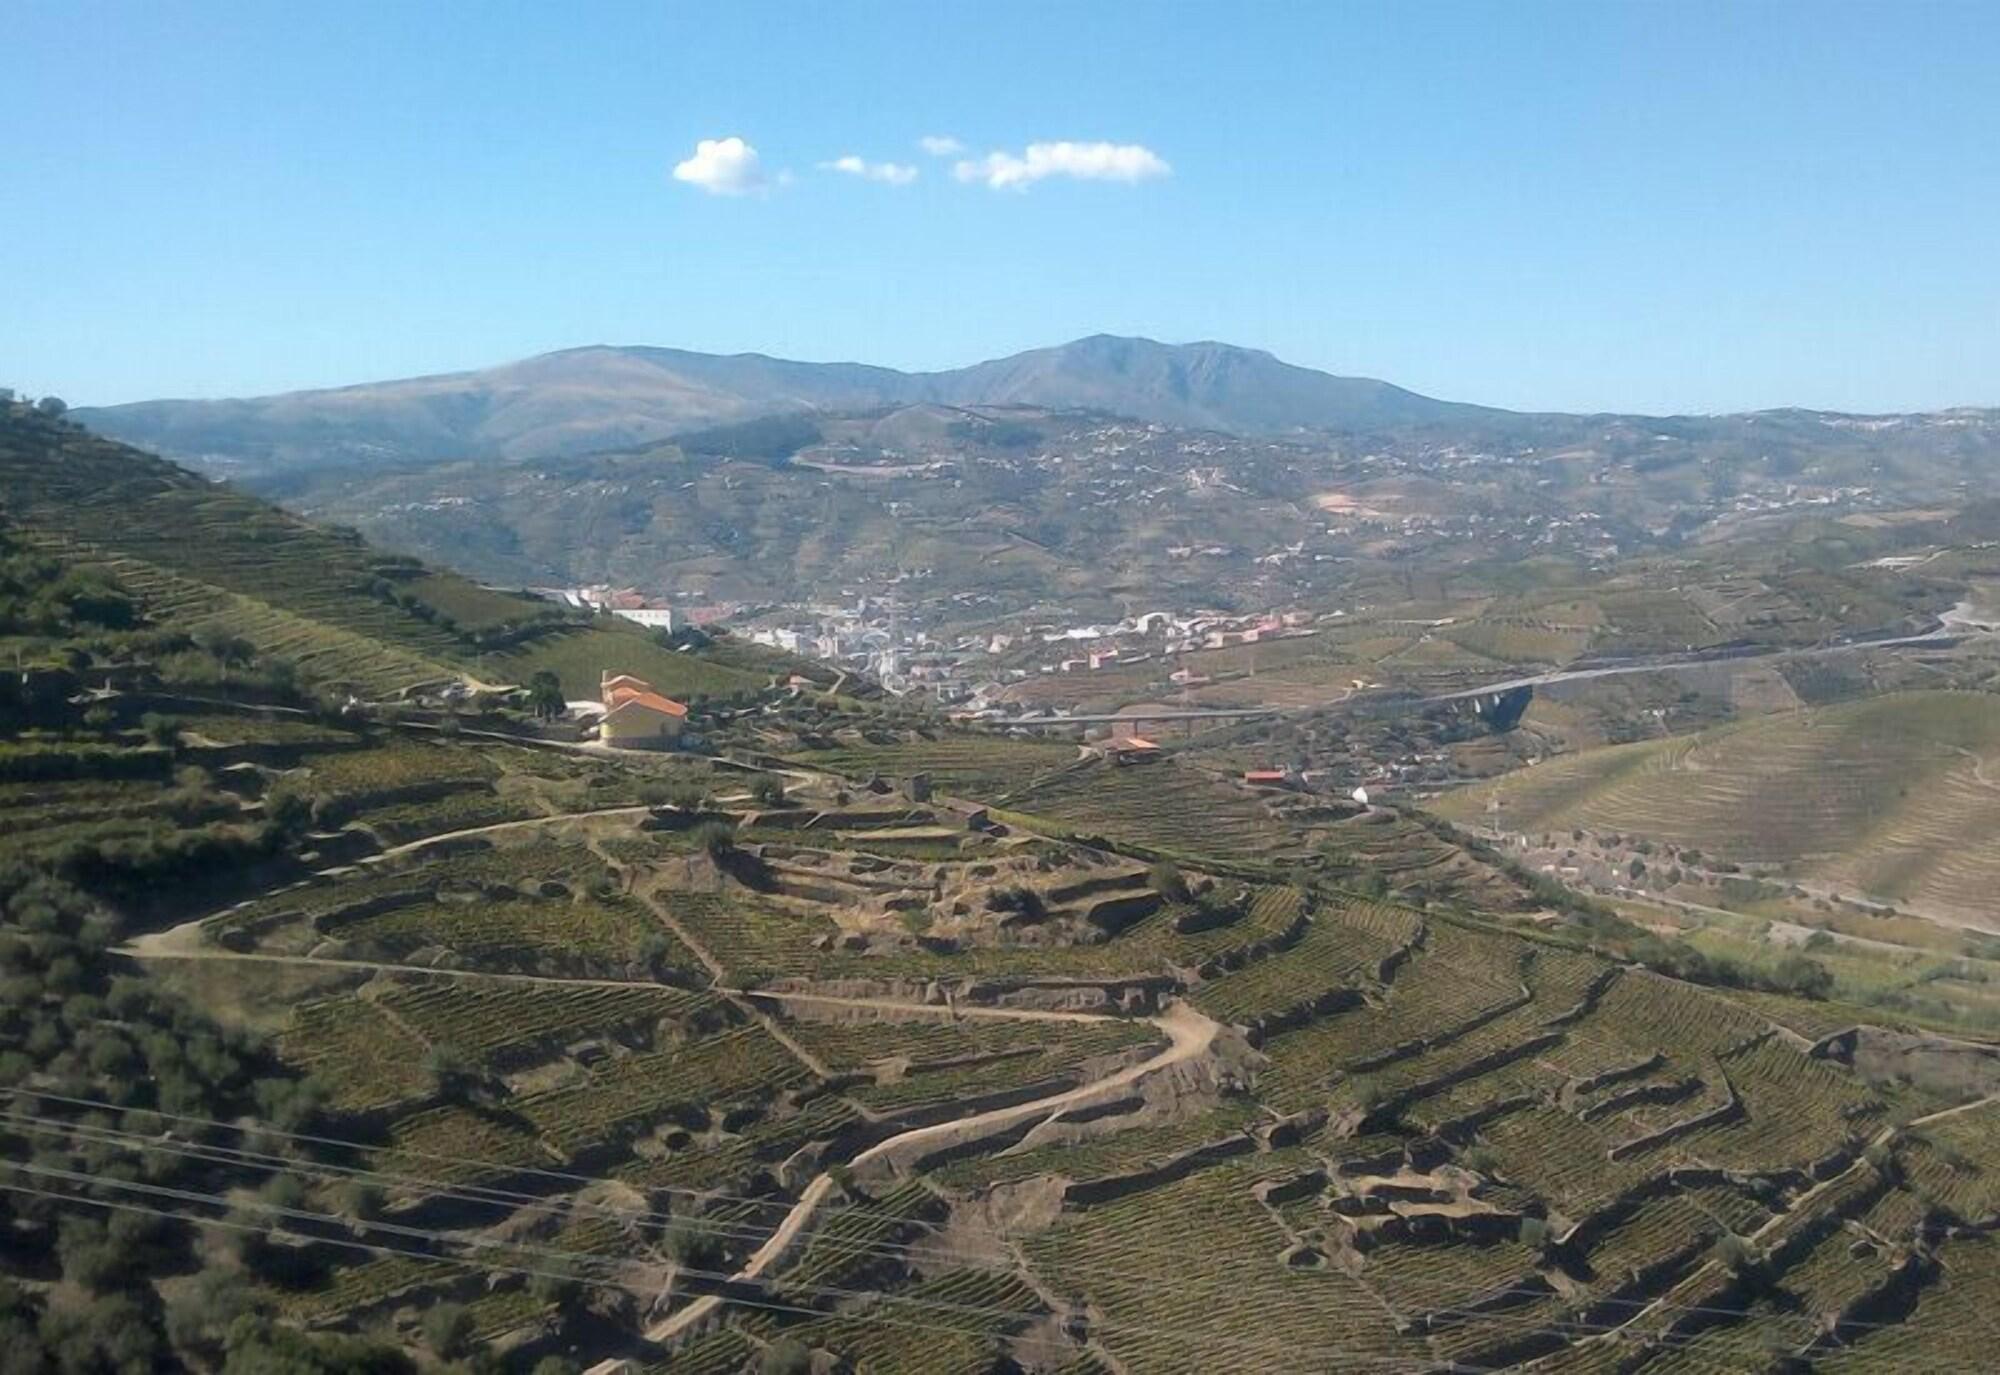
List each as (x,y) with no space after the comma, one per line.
(1268,778)
(1132,749)
(637,717)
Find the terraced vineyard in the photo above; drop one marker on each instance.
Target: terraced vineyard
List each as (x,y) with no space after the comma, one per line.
(1124,1077)
(497,1022)
(632,1092)
(363,1058)
(1162,807)
(969,767)
(1432,1142)
(329,651)
(348,617)
(522,933)
(1889,796)
(1259,1122)
(1344,948)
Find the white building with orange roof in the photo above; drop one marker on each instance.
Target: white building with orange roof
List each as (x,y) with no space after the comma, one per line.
(637,717)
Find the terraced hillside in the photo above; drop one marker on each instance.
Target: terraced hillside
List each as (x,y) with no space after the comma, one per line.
(795,1090)
(1455,628)
(1892,796)
(201,556)
(335,1041)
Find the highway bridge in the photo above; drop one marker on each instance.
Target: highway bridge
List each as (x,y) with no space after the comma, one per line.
(1190,716)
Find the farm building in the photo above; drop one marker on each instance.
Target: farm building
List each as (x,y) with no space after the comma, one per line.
(635,716)
(1268,778)
(1131,749)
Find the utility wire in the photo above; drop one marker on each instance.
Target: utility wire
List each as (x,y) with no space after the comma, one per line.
(849,1247)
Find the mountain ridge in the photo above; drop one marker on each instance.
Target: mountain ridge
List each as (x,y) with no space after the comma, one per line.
(599,396)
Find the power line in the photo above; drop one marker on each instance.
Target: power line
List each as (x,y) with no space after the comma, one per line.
(870,1316)
(117,1108)
(502,1197)
(842,1246)
(1579,1037)
(828,1291)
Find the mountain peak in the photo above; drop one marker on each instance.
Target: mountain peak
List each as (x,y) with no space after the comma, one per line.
(600,395)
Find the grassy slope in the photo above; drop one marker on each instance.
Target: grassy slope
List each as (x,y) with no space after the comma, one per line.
(1889,794)
(579,656)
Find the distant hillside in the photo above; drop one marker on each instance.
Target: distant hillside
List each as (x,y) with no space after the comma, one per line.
(208,560)
(980,511)
(1890,796)
(1198,386)
(603,397)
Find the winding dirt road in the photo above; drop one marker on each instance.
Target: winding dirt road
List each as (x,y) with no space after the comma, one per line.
(1189,1034)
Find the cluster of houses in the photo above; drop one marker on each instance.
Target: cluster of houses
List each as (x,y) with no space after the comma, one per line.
(628,602)
(633,605)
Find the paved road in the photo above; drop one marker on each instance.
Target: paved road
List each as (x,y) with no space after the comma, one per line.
(1960,622)
(1136,717)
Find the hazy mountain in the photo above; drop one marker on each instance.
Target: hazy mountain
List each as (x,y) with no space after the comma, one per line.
(602,397)
(1204,386)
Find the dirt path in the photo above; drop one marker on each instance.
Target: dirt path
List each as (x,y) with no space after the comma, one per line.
(153,947)
(954,1011)
(680,1320)
(177,939)
(159,946)
(526,822)
(1189,1033)
(1973,1106)
(1978,766)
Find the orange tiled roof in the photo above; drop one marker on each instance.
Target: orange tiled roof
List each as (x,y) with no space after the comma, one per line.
(621,696)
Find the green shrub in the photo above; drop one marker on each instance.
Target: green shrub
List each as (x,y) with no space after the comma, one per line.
(786,1357)
(446,1328)
(716,839)
(691,1244)
(1018,899)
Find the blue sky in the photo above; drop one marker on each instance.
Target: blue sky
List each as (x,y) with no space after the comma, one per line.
(1575,206)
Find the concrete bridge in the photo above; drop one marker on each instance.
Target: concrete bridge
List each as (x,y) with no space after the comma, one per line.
(1189,717)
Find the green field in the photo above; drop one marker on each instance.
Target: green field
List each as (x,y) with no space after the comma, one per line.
(580,658)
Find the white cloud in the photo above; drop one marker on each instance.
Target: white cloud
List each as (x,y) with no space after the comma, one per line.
(940,145)
(722,167)
(1127,162)
(892,173)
